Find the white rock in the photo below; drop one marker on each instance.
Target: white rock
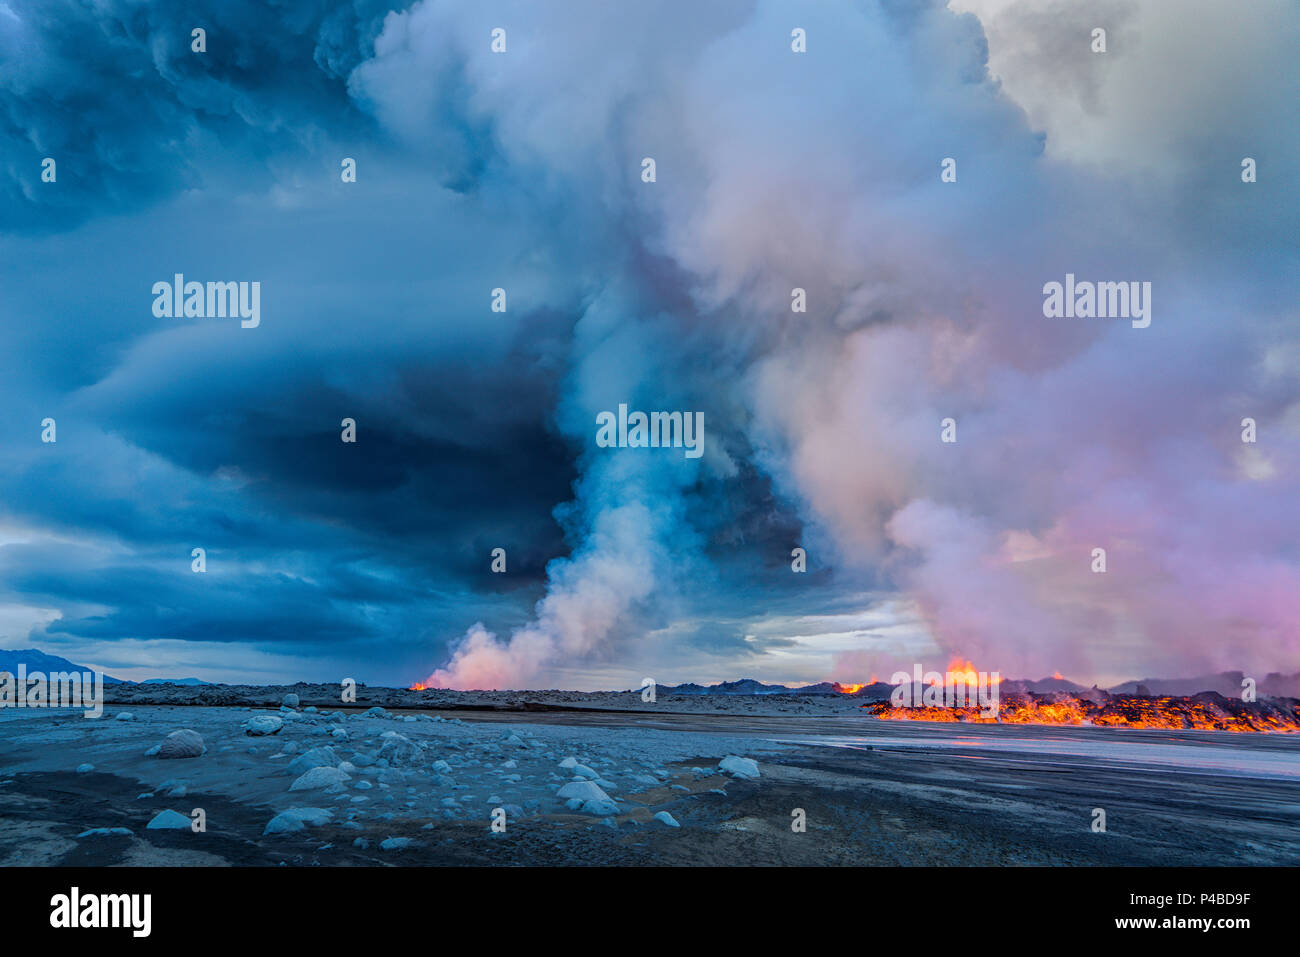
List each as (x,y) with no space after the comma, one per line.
(399,749)
(315,758)
(583,790)
(169,820)
(746,768)
(85,768)
(263,724)
(589,796)
(396,843)
(582,771)
(338,734)
(663,817)
(104,832)
(321,777)
(569,763)
(290,701)
(125,716)
(297,818)
(182,744)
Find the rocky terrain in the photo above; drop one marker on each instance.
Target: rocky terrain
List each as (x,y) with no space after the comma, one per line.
(260,776)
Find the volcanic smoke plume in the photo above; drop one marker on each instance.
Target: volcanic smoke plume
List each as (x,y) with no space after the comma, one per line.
(820,173)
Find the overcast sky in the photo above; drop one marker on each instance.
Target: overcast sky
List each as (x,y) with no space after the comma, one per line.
(522,170)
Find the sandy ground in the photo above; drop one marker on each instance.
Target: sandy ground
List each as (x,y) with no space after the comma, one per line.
(872,792)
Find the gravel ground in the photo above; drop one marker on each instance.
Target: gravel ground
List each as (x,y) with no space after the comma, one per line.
(420,788)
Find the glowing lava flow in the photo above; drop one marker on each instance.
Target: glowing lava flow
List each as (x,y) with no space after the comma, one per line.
(1207,711)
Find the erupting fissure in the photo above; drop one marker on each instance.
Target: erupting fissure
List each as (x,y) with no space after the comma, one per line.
(1208,711)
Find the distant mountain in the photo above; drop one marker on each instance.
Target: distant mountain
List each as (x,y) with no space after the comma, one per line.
(1041,686)
(175,681)
(752,687)
(40,661)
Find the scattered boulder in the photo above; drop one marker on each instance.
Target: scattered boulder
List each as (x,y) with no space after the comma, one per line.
(746,768)
(602,808)
(297,818)
(125,716)
(261,724)
(396,843)
(315,758)
(105,832)
(169,820)
(184,743)
(588,797)
(85,768)
(399,749)
(583,790)
(290,701)
(321,777)
(663,817)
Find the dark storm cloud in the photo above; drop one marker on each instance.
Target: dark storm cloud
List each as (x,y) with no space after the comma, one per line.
(114,93)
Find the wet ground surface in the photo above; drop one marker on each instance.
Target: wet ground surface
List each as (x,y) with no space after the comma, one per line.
(871,792)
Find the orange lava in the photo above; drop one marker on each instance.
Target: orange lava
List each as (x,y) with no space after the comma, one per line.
(1204,712)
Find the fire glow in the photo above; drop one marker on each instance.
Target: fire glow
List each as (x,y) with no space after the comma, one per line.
(1207,711)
